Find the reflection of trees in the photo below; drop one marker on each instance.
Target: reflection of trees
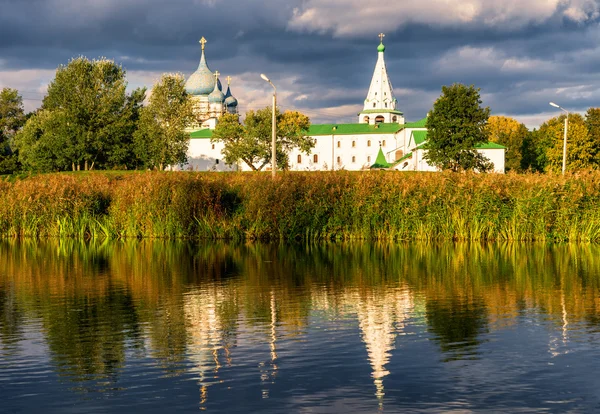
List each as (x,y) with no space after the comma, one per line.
(183,302)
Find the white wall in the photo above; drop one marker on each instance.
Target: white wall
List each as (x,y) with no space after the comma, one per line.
(355,157)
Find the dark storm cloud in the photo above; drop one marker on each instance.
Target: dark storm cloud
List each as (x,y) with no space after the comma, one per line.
(519,69)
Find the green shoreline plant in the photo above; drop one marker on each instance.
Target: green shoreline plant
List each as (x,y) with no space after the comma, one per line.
(308,206)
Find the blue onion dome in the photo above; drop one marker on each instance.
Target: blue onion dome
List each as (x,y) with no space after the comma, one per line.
(201,82)
(230,101)
(216,96)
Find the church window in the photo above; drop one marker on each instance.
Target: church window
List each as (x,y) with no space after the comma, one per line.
(375,93)
(213,146)
(368,143)
(385,94)
(394,118)
(369,158)
(315,158)
(399,154)
(383,143)
(339,144)
(373,104)
(379,119)
(217,161)
(299,159)
(366,119)
(386,104)
(353,144)
(353,159)
(339,160)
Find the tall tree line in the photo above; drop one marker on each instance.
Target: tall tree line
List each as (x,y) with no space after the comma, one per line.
(88,121)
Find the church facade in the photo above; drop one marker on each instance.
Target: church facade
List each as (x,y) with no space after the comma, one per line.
(381,138)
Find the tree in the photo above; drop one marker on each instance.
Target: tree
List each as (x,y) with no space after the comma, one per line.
(87,112)
(12,118)
(251,143)
(456,125)
(511,134)
(161,139)
(592,123)
(582,152)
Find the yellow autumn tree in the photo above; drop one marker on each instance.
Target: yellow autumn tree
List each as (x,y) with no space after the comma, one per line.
(513,135)
(581,149)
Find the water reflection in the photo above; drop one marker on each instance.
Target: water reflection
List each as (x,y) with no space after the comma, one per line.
(227,316)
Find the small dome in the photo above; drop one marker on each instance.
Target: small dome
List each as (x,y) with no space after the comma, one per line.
(201,82)
(230,101)
(381,47)
(216,96)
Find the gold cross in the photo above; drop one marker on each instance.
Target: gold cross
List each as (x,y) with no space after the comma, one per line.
(217,74)
(381,36)
(203,42)
(228,80)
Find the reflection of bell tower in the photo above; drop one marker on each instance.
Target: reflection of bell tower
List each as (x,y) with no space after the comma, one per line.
(381,316)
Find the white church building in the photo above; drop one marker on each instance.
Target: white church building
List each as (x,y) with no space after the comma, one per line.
(381,138)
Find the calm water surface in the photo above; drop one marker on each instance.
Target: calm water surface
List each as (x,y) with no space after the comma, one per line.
(175,327)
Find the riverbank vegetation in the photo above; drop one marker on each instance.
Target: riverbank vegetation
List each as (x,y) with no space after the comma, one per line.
(303,206)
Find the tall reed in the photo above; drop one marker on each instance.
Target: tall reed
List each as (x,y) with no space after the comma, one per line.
(338,205)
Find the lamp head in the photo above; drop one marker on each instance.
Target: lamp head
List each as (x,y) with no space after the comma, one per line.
(264,77)
(554,105)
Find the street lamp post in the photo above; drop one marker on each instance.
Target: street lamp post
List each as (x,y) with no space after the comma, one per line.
(274,126)
(564,165)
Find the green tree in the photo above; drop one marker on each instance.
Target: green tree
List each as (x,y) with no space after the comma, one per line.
(251,142)
(456,125)
(513,135)
(87,112)
(581,149)
(161,139)
(592,123)
(12,118)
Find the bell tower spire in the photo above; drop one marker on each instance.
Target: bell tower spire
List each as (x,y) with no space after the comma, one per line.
(381,104)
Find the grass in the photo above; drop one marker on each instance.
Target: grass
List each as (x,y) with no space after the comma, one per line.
(303,206)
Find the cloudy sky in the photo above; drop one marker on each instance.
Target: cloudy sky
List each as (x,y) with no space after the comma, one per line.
(321,53)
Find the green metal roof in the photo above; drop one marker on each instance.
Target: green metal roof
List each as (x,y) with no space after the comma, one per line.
(490,145)
(417,124)
(380,162)
(201,134)
(419,137)
(381,111)
(353,129)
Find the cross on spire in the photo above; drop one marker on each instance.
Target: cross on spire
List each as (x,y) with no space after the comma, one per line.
(228,80)
(381,36)
(217,74)
(203,42)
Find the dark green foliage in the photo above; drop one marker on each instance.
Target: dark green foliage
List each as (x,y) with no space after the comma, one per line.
(86,121)
(161,139)
(456,125)
(11,120)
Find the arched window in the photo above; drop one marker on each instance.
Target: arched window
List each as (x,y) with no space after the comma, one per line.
(353,144)
(213,146)
(315,158)
(353,159)
(299,159)
(368,143)
(373,104)
(366,119)
(386,104)
(369,158)
(339,144)
(383,143)
(394,118)
(379,119)
(339,160)
(399,154)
